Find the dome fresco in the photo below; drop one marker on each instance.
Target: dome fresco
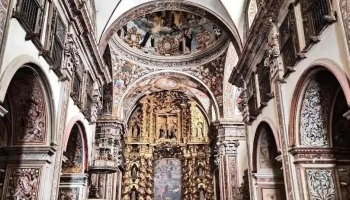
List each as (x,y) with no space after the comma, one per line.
(169,33)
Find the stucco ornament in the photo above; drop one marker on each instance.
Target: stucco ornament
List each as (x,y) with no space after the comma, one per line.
(30,111)
(314,114)
(272,51)
(68,194)
(321,184)
(23,184)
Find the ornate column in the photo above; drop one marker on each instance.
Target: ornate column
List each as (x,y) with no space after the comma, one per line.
(228,140)
(105,172)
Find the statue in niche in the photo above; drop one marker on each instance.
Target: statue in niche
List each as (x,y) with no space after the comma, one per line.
(161,132)
(133,38)
(136,130)
(200,131)
(172,133)
(134,172)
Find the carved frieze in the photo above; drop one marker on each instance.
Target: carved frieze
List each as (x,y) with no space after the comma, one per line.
(23,183)
(345,10)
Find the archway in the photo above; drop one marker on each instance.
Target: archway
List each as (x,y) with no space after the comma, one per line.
(321,127)
(26,134)
(268,173)
(73,178)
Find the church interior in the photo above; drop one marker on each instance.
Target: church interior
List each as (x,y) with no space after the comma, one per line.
(174,100)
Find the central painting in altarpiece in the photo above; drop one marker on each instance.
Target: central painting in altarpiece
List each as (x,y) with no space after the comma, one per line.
(167,179)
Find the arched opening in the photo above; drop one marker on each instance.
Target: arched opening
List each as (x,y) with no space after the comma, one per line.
(25,128)
(73,177)
(268,173)
(322,128)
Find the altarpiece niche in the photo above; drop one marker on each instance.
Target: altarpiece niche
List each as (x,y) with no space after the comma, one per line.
(167,153)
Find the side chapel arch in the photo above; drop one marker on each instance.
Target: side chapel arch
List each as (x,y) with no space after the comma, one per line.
(320,65)
(267,169)
(75,131)
(31,111)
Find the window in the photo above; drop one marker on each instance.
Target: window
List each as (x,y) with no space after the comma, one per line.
(56,36)
(264,83)
(289,41)
(251,96)
(89,87)
(317,15)
(30,14)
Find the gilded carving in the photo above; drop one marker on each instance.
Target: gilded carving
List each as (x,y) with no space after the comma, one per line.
(23,183)
(168,121)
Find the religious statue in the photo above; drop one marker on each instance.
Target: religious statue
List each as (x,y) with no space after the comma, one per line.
(136,130)
(200,133)
(172,133)
(133,38)
(161,132)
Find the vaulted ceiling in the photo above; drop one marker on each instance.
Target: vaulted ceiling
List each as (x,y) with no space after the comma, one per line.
(188,46)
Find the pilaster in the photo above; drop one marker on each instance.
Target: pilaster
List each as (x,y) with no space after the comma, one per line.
(229,136)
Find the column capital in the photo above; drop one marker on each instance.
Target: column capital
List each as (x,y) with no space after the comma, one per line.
(227,147)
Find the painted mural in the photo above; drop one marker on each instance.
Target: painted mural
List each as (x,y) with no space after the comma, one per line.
(167,81)
(170,32)
(167,179)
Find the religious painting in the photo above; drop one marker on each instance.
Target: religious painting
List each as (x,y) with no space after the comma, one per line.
(169,32)
(167,179)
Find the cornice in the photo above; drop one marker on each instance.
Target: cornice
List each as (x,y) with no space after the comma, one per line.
(79,16)
(164,62)
(259,32)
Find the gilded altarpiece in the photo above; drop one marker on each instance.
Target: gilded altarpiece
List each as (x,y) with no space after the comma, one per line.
(167,152)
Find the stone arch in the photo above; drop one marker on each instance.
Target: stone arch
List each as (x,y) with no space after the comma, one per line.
(132,87)
(264,133)
(75,124)
(31,110)
(267,168)
(26,61)
(319,66)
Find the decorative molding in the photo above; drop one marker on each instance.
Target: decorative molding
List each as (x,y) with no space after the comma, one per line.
(171,62)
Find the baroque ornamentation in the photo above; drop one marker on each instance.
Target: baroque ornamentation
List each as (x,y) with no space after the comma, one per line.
(320,184)
(272,51)
(29,110)
(71,55)
(68,193)
(315,111)
(148,61)
(23,183)
(74,153)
